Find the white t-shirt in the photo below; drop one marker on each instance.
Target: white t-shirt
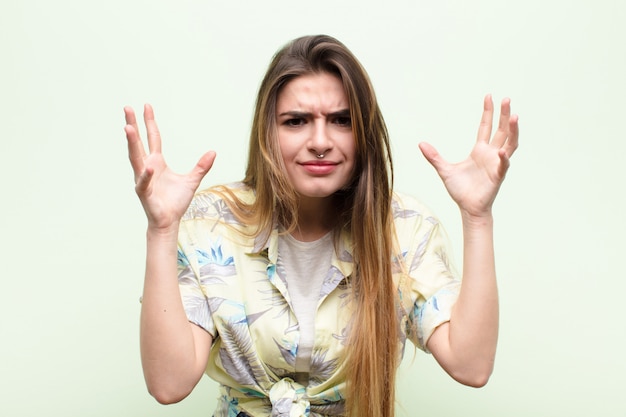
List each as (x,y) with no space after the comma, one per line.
(303,265)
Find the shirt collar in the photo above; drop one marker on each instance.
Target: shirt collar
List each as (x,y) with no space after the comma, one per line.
(266,244)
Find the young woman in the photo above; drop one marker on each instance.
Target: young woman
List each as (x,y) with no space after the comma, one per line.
(297,288)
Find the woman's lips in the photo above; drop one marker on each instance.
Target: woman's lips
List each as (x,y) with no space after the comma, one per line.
(319,167)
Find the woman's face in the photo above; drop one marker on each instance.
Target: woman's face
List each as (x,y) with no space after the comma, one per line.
(315,134)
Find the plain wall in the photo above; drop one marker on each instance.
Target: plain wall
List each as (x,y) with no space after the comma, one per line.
(73,231)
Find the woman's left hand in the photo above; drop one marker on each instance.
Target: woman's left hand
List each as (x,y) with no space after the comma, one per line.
(474,183)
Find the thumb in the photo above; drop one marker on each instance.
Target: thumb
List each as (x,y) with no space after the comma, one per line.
(203,166)
(432,156)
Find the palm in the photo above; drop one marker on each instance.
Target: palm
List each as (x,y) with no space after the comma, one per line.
(474,183)
(164,194)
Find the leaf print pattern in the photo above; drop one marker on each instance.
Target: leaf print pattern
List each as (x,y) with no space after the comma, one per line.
(237,356)
(214,256)
(400,213)
(194,301)
(197,312)
(281,308)
(274,298)
(332,280)
(345,256)
(280,373)
(223,212)
(343,336)
(215,303)
(335,408)
(214,265)
(289,355)
(196,209)
(419,254)
(181,259)
(279,271)
(186,276)
(321,369)
(229,286)
(251,318)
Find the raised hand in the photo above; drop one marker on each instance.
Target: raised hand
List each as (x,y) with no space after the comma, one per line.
(474,183)
(164,194)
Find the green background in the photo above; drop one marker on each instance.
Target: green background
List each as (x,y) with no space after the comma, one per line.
(73,230)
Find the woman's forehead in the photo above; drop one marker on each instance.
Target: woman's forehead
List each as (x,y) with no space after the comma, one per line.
(318,92)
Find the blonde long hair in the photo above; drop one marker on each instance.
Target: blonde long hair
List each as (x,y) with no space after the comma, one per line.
(363,207)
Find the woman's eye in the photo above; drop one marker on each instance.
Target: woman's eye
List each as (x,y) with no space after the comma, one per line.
(294,122)
(344,121)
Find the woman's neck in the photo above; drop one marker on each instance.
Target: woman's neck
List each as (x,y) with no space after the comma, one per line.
(316,217)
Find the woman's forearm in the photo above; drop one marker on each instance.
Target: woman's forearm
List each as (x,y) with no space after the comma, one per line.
(171,362)
(466,346)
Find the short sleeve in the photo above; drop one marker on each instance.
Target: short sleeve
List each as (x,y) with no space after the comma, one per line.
(194,300)
(432,280)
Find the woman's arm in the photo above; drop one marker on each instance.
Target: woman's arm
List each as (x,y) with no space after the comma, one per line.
(466,345)
(174,352)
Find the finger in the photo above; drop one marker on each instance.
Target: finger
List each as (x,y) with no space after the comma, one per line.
(501,135)
(484,129)
(154,137)
(136,152)
(433,157)
(143,181)
(512,141)
(504,163)
(131,121)
(203,166)
(129,115)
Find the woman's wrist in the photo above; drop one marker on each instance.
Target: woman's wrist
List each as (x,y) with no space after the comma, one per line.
(163,233)
(477,220)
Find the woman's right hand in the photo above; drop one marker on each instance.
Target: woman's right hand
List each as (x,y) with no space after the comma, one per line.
(164,194)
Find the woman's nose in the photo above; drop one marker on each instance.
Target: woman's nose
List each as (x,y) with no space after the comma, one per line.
(320,141)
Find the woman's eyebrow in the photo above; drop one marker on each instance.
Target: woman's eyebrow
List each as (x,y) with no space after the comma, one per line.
(303,114)
(340,113)
(295,113)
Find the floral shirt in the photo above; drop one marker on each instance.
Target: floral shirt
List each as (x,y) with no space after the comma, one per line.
(229,287)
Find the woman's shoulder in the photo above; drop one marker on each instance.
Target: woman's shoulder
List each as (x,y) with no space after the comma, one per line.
(405,206)
(412,218)
(215,201)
